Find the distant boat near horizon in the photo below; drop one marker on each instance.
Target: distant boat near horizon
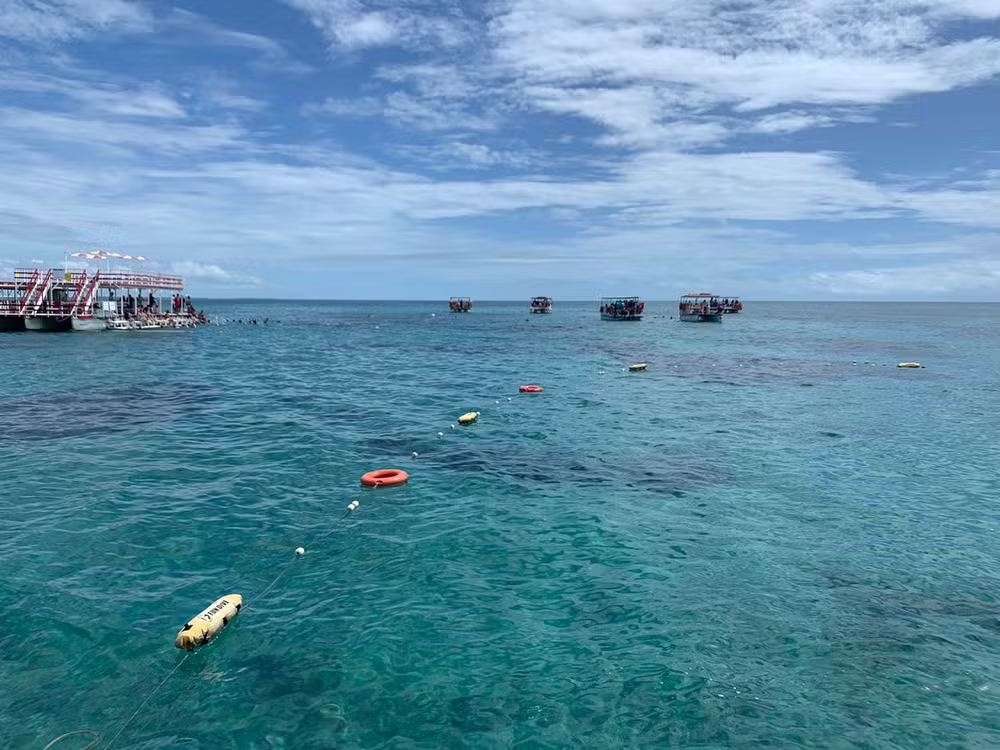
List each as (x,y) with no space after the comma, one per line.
(622,308)
(701,307)
(460,304)
(731,306)
(541,305)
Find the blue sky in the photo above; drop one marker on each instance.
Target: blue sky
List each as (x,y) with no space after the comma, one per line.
(778,149)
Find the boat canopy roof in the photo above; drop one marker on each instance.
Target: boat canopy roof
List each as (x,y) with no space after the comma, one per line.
(619,299)
(541,299)
(460,299)
(701,295)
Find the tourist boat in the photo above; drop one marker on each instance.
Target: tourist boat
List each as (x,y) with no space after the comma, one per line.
(622,308)
(541,304)
(460,304)
(87,299)
(731,306)
(702,307)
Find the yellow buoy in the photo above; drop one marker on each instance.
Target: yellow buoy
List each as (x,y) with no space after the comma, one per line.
(207,624)
(468,418)
(908,364)
(639,366)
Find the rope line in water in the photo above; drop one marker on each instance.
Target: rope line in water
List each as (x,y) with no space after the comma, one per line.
(353,506)
(88,746)
(95,738)
(146,700)
(269,586)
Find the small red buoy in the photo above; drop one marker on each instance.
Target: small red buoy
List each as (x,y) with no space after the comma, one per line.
(384,478)
(531,389)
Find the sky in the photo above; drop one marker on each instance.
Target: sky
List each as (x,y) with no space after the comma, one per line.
(418,149)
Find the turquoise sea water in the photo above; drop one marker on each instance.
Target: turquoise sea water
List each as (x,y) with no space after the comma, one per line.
(771,538)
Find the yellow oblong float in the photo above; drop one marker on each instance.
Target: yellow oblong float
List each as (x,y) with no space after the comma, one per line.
(911,365)
(469,417)
(208,623)
(638,367)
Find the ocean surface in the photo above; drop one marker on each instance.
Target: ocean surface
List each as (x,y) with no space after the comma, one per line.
(772,538)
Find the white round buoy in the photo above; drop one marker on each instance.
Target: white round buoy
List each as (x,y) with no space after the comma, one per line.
(453,427)
(300,551)
(414,454)
(433,315)
(440,434)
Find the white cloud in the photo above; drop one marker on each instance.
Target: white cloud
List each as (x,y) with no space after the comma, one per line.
(364,106)
(345,23)
(982,9)
(38,127)
(366,30)
(213,274)
(923,280)
(107,98)
(185,20)
(337,209)
(971,207)
(463,155)
(350,25)
(272,56)
(790,122)
(637,115)
(61,20)
(636,66)
(213,92)
(409,111)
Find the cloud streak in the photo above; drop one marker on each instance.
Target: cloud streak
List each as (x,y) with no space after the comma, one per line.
(65,20)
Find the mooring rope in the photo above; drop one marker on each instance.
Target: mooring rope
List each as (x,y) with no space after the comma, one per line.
(95,738)
(146,700)
(88,746)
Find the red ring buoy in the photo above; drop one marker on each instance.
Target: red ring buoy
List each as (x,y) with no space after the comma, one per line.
(384,477)
(531,389)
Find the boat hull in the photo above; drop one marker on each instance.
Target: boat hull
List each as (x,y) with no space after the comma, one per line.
(11,323)
(633,317)
(541,312)
(47,324)
(90,324)
(702,318)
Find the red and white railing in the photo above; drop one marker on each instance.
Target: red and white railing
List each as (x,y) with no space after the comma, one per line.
(34,295)
(83,295)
